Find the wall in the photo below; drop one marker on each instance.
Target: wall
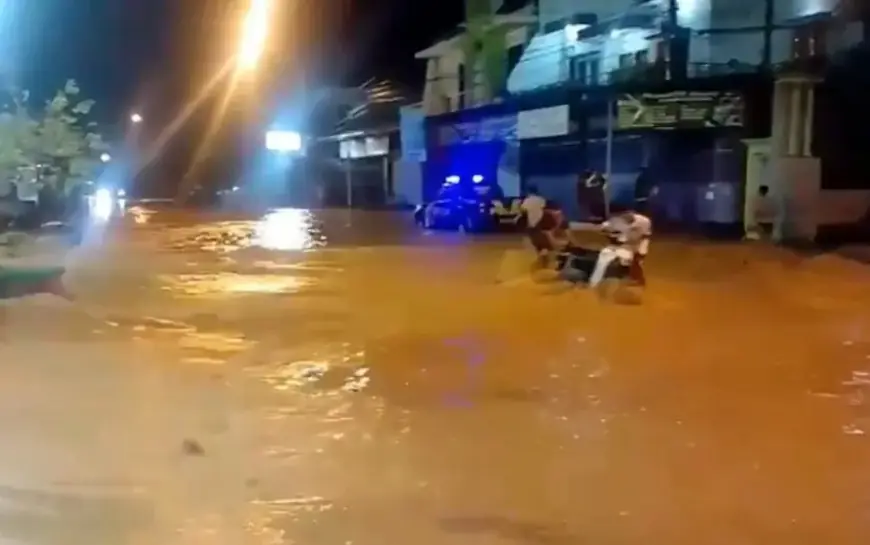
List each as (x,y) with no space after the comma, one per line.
(842,206)
(550,11)
(407,182)
(544,62)
(441,93)
(442,82)
(547,58)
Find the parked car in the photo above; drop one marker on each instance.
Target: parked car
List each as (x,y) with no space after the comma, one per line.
(473,205)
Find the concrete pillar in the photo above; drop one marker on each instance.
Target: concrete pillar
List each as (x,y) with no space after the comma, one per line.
(757,174)
(796,121)
(795,172)
(792,123)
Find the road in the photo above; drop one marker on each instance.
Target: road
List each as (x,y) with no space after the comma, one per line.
(328,379)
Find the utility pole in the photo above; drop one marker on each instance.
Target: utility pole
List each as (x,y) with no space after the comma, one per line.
(767,52)
(673,9)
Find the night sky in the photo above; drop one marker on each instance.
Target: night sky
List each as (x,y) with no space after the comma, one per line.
(154,55)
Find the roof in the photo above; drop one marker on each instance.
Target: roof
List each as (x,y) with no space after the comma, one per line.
(510,6)
(511,12)
(377,110)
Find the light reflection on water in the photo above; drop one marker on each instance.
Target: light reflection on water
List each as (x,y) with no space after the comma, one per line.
(230,283)
(288,229)
(322,415)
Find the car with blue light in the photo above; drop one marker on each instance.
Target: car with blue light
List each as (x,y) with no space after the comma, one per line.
(470,205)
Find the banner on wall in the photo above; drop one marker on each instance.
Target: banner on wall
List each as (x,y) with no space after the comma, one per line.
(358,148)
(680,110)
(544,122)
(412,125)
(491,129)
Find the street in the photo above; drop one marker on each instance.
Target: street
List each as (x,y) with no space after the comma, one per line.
(338,379)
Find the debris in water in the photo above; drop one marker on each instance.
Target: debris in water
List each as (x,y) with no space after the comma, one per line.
(192,447)
(852,429)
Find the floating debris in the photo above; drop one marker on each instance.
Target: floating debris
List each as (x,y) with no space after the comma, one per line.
(852,429)
(192,447)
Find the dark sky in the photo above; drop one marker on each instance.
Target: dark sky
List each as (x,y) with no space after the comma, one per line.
(154,56)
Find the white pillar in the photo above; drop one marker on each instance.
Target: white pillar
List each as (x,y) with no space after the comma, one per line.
(809,113)
(779,121)
(795,120)
(794,172)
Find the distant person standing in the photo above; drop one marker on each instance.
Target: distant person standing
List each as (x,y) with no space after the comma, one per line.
(595,195)
(644,189)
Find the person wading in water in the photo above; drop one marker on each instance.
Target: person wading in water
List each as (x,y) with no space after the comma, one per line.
(592,195)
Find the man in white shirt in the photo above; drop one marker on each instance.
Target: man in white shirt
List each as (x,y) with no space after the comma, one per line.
(629,233)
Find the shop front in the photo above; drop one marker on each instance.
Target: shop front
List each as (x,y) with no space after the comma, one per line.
(478,143)
(688,142)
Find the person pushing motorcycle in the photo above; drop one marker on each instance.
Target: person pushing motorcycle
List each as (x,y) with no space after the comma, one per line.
(629,233)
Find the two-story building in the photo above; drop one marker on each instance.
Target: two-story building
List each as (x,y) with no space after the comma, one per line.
(712,97)
(469,129)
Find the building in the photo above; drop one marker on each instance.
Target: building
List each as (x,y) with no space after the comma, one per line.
(713,97)
(598,42)
(466,79)
(358,145)
(456,80)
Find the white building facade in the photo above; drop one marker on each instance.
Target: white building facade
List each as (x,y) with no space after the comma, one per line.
(446,89)
(723,35)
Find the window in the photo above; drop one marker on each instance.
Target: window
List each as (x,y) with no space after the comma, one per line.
(579,70)
(641,57)
(810,41)
(626,60)
(594,69)
(585,69)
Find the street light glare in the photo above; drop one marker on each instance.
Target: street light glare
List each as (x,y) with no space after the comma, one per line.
(105,157)
(136,118)
(255,30)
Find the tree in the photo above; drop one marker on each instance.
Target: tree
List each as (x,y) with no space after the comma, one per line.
(53,148)
(484,48)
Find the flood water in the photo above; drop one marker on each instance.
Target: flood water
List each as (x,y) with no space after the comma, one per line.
(328,379)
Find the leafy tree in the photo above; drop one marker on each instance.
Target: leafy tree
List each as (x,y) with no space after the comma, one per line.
(478,43)
(54,147)
(484,48)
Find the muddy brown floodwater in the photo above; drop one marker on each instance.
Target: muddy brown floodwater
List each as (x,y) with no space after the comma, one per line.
(326,379)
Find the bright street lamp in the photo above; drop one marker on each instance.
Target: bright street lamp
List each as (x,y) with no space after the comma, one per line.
(105,157)
(284,141)
(255,31)
(136,118)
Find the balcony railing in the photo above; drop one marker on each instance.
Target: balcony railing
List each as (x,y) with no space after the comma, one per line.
(445,103)
(663,71)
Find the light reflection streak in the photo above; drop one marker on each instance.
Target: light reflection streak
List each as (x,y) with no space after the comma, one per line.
(103,204)
(286,229)
(201,285)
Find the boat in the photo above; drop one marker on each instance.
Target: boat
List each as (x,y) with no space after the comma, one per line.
(21,281)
